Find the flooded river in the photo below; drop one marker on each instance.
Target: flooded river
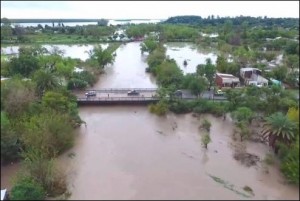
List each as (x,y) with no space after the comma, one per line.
(128,153)
(125,152)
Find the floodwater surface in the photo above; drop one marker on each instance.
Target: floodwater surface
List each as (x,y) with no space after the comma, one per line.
(129,153)
(189,52)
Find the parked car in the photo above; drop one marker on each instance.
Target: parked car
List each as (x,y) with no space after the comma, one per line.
(133,93)
(90,93)
(178,93)
(219,93)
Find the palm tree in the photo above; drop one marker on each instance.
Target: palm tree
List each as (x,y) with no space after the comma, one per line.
(278,127)
(45,80)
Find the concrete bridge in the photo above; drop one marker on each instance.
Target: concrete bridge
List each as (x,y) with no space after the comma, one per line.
(109,96)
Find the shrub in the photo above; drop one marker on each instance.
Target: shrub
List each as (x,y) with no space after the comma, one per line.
(43,170)
(75,83)
(206,125)
(27,189)
(9,140)
(269,159)
(85,76)
(205,140)
(49,132)
(160,108)
(180,107)
(205,106)
(290,164)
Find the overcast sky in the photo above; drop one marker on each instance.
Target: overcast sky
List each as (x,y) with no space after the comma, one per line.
(146,9)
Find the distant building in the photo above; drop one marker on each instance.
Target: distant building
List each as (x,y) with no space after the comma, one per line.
(252,76)
(226,80)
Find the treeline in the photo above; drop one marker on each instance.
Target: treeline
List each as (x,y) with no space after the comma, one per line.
(39,114)
(252,21)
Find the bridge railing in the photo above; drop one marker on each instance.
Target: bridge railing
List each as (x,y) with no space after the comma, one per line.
(122,90)
(104,99)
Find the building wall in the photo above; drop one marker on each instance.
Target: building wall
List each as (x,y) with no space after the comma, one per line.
(219,81)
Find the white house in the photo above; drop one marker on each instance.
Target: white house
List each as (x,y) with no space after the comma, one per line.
(252,76)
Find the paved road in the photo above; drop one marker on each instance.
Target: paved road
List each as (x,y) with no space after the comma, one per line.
(186,94)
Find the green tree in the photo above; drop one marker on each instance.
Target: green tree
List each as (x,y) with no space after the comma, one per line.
(10,147)
(221,64)
(195,83)
(149,45)
(168,73)
(243,114)
(43,170)
(198,85)
(156,58)
(48,132)
(208,70)
(24,65)
(64,103)
(280,73)
(103,56)
(292,61)
(278,128)
(45,80)
(235,98)
(16,95)
(6,30)
(243,129)
(27,189)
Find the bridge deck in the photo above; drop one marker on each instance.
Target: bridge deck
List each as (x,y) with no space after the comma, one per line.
(120,96)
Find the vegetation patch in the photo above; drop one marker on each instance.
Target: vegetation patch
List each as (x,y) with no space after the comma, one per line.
(229,186)
(246,159)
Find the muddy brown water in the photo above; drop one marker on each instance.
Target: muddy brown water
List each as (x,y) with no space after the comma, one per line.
(125,152)
(129,153)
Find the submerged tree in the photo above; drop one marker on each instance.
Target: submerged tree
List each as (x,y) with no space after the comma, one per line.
(278,127)
(205,140)
(103,56)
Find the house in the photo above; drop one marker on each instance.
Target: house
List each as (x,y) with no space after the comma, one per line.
(226,80)
(252,76)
